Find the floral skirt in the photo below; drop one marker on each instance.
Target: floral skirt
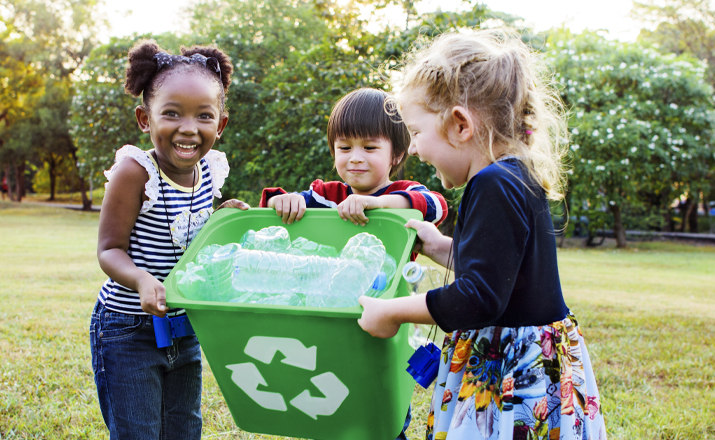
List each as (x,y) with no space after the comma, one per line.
(516,383)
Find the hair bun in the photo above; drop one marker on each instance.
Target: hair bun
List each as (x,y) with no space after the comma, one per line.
(224,61)
(141,67)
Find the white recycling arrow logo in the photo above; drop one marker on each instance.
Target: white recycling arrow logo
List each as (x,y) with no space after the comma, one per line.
(263,349)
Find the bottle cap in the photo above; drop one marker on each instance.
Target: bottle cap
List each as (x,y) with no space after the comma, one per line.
(380,281)
(413,272)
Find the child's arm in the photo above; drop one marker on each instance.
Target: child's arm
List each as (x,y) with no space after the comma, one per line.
(382,317)
(431,242)
(353,208)
(120,209)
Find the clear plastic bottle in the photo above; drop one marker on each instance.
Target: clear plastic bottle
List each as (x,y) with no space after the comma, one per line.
(303,246)
(270,238)
(211,277)
(266,268)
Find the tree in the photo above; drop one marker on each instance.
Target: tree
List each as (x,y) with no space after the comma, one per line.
(53,38)
(683,27)
(640,129)
(21,86)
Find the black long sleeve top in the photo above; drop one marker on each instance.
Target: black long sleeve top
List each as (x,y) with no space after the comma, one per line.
(504,252)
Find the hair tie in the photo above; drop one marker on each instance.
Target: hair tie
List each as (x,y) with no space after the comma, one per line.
(529,132)
(164,60)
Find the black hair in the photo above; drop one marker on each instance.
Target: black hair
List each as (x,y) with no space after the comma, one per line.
(144,72)
(365,113)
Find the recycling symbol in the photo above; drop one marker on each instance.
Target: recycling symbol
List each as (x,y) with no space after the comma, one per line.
(263,349)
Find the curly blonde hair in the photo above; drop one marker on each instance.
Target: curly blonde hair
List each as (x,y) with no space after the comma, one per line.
(496,76)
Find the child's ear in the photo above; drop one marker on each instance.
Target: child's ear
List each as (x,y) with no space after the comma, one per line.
(221,125)
(396,160)
(142,118)
(462,124)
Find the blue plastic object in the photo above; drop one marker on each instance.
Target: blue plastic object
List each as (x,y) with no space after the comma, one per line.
(380,281)
(424,363)
(168,328)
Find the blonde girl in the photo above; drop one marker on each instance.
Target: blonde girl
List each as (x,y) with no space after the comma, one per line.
(514,364)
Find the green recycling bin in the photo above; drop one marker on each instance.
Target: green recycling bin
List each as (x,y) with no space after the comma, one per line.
(301,371)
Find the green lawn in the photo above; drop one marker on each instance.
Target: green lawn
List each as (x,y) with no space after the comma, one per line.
(647,313)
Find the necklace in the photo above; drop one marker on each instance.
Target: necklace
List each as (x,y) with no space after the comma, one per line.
(166,212)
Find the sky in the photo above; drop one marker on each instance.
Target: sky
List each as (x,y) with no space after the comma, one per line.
(157,16)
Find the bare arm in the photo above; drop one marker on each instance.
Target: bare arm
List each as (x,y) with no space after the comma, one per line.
(120,209)
(382,317)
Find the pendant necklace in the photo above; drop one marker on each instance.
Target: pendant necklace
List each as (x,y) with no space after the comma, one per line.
(166,212)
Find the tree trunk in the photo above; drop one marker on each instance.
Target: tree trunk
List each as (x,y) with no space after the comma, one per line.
(86,201)
(684,208)
(691,215)
(618,230)
(19,181)
(52,170)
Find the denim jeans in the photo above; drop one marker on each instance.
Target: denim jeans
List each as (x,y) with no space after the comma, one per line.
(403,434)
(144,392)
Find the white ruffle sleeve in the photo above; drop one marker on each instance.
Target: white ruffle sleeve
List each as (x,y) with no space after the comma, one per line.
(151,187)
(218,167)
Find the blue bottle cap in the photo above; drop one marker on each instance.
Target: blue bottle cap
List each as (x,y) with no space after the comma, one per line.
(380,281)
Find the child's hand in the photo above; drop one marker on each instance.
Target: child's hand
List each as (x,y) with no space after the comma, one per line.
(375,320)
(152,295)
(290,207)
(234,203)
(353,208)
(430,241)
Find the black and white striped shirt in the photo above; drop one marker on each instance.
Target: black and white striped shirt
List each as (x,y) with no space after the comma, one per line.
(150,243)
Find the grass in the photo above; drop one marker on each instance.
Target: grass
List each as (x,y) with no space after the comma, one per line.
(647,313)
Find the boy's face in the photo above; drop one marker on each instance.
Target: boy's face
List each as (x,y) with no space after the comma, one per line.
(364,163)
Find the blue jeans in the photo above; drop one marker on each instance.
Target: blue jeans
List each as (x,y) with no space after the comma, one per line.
(144,392)
(403,434)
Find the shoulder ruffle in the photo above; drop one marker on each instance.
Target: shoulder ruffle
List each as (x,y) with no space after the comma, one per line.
(218,167)
(151,187)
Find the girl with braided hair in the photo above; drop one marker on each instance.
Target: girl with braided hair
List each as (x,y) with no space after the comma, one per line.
(155,203)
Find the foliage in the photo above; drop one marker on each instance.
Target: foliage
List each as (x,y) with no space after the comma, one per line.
(293,61)
(641,127)
(53,38)
(680,26)
(101,114)
(20,88)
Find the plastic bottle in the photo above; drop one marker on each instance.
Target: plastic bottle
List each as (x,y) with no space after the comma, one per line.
(191,280)
(303,274)
(280,273)
(303,246)
(422,279)
(270,238)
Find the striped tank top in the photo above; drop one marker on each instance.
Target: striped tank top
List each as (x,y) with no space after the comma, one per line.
(159,236)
